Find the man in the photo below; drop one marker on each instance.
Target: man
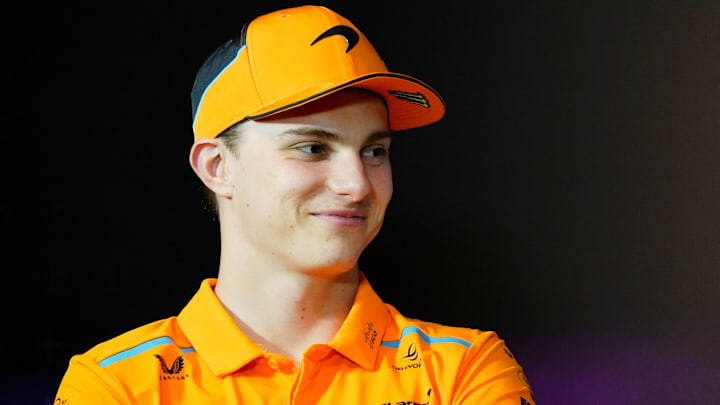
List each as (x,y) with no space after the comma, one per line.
(293,122)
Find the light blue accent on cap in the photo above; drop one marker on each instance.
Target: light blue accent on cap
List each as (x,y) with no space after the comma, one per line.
(213,82)
(143,347)
(394,344)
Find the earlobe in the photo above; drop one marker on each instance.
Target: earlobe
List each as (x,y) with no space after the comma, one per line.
(207,158)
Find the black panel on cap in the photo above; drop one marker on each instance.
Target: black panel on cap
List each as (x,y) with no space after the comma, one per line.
(221,57)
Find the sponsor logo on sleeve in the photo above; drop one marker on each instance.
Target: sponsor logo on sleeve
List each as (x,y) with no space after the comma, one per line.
(524,381)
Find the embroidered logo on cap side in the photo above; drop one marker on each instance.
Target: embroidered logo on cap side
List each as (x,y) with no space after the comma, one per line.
(416,98)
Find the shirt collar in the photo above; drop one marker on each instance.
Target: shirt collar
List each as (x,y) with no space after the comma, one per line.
(225,348)
(362,331)
(214,334)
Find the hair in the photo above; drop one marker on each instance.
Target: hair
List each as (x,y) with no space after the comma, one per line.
(230,138)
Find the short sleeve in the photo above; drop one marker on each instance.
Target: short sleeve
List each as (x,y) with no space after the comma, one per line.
(491,375)
(85,383)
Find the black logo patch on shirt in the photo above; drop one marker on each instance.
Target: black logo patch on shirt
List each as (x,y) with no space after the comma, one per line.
(172,372)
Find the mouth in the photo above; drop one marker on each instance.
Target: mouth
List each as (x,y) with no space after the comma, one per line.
(342,217)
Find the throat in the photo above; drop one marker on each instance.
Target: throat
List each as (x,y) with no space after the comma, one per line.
(288,315)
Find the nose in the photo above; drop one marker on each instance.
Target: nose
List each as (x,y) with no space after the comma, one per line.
(349,178)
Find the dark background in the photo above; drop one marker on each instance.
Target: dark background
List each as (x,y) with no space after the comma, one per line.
(568,200)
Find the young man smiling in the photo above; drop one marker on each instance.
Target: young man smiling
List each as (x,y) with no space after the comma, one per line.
(300,197)
(292,123)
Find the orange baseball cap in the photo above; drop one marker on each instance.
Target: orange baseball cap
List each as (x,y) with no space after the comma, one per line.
(290,57)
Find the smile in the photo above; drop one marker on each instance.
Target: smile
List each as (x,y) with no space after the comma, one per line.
(343,218)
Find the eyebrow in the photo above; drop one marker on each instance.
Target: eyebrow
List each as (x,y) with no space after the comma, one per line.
(331,136)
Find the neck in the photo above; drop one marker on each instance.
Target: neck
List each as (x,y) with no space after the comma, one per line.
(282,310)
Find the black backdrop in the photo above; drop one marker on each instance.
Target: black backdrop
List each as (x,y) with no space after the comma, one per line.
(568,200)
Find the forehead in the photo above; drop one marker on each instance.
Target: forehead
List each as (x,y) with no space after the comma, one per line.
(350,112)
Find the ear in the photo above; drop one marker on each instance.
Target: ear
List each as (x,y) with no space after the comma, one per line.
(208,158)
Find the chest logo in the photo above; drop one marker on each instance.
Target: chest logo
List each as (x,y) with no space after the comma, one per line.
(174,371)
(412,353)
(410,360)
(176,367)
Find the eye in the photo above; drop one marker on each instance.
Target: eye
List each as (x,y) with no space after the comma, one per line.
(375,155)
(312,148)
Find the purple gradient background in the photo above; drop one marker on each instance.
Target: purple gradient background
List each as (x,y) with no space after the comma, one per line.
(675,368)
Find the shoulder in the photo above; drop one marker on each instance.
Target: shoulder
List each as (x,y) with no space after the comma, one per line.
(434,333)
(125,366)
(475,365)
(134,342)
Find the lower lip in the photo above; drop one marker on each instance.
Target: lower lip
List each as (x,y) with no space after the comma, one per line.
(341,220)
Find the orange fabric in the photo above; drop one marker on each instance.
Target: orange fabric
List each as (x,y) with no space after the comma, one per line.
(377,357)
(282,66)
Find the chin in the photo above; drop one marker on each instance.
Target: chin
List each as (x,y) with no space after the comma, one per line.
(329,254)
(330,266)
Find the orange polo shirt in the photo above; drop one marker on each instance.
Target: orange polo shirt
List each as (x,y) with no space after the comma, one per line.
(378,357)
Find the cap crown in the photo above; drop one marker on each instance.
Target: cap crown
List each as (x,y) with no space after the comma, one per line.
(286,58)
(290,57)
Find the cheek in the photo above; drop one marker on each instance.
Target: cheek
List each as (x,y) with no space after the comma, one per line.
(382,184)
(267,183)
(296,179)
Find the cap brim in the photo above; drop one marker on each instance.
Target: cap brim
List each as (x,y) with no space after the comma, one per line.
(411,103)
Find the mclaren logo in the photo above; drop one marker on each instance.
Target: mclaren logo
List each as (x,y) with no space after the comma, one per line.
(350,35)
(172,372)
(416,98)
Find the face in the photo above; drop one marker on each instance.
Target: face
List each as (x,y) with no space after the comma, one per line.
(311,185)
